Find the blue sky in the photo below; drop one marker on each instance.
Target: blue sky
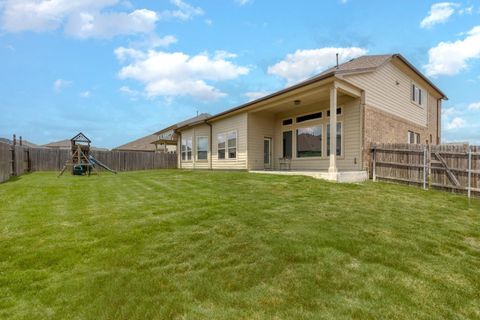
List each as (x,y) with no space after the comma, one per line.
(118,70)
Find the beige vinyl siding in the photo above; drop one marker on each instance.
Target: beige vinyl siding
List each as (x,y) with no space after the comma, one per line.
(260,126)
(351,140)
(383,92)
(238,123)
(197,131)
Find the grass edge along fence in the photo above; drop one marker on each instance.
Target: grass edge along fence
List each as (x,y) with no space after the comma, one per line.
(17,160)
(448,167)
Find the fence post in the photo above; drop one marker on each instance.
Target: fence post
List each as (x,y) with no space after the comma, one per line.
(424,168)
(470,172)
(374,164)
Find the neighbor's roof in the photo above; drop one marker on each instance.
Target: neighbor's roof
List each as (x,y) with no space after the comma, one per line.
(147,143)
(67,144)
(361,64)
(200,118)
(142,144)
(25,143)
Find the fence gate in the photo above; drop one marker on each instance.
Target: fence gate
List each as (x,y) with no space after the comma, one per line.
(448,167)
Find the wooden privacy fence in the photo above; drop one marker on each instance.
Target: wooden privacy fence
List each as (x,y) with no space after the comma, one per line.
(16,160)
(448,167)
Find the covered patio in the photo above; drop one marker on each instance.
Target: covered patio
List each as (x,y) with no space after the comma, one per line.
(291,134)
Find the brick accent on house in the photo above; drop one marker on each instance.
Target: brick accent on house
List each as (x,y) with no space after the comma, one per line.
(383,127)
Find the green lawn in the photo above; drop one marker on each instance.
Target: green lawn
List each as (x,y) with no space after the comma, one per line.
(202,245)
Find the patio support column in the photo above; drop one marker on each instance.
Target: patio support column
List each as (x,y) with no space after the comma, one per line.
(333,129)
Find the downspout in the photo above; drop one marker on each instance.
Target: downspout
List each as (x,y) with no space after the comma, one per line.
(179,154)
(210,140)
(194,150)
(362,132)
(439,120)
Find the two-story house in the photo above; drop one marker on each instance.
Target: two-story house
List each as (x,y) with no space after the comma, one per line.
(325,124)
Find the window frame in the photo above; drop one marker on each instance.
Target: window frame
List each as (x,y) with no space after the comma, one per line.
(236,145)
(197,150)
(327,144)
(415,135)
(184,151)
(338,114)
(309,120)
(422,96)
(291,130)
(227,148)
(295,150)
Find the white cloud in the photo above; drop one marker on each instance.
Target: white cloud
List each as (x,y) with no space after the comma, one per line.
(80,18)
(254,95)
(467,10)
(474,106)
(242,2)
(184,11)
(449,58)
(108,25)
(304,63)
(456,123)
(133,94)
(208,22)
(439,13)
(125,54)
(59,84)
(447,112)
(178,74)
(85,94)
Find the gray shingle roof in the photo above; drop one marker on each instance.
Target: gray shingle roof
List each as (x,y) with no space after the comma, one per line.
(359,64)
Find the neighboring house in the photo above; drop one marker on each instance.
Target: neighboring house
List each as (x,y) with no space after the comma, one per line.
(371,99)
(164,140)
(24,143)
(67,145)
(142,144)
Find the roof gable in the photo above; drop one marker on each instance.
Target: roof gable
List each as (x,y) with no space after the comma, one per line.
(80,138)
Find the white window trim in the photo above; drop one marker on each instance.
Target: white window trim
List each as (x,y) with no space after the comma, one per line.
(186,149)
(227,155)
(416,137)
(196,149)
(338,115)
(424,95)
(295,151)
(306,114)
(228,147)
(224,148)
(341,156)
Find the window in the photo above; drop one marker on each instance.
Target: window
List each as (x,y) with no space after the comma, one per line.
(309,142)
(184,150)
(413,137)
(202,148)
(227,145)
(232,144)
(339,112)
(221,146)
(317,115)
(339,139)
(417,95)
(187,149)
(287,122)
(287,144)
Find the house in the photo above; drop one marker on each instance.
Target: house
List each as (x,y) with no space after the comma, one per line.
(166,139)
(141,144)
(370,99)
(21,142)
(66,144)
